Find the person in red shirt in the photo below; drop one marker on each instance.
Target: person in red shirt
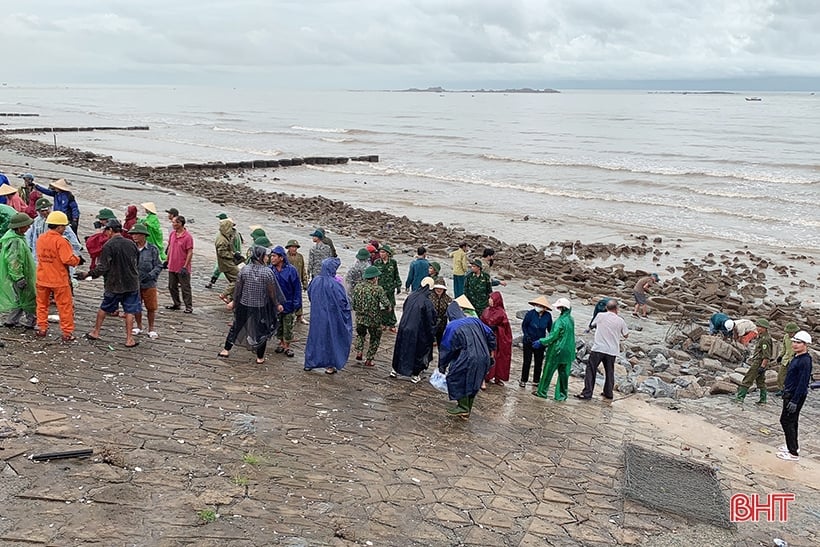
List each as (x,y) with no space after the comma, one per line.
(54,256)
(180,253)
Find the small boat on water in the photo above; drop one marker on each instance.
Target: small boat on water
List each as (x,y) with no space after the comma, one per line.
(753,99)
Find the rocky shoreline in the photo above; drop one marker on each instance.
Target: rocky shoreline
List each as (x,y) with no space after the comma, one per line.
(740,283)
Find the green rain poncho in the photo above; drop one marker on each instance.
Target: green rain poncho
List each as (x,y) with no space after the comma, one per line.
(560,346)
(154,233)
(6,213)
(16,263)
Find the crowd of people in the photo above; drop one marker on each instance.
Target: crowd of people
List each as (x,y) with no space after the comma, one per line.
(470,329)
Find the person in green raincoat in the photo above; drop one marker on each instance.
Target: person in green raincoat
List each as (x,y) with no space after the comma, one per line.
(17,275)
(560,345)
(6,213)
(151,221)
(236,243)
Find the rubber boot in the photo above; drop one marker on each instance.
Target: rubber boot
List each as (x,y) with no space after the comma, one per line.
(741,394)
(463,407)
(764,396)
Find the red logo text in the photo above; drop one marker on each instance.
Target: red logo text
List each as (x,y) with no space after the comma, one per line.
(754,508)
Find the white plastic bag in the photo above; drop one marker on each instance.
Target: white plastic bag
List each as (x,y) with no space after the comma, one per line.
(439,380)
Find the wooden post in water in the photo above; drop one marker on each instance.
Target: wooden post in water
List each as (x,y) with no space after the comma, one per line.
(55,143)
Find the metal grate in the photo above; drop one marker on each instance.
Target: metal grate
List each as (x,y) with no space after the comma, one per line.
(675,485)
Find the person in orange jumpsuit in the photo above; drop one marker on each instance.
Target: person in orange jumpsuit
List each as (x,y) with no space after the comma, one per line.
(54,256)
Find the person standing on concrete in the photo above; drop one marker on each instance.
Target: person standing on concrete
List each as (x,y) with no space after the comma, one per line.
(640,293)
(609,329)
(17,275)
(466,350)
(478,286)
(419,269)
(298,261)
(417,332)
(495,317)
(390,281)
(151,221)
(238,258)
(560,346)
(64,201)
(795,391)
(760,362)
(318,253)
(461,265)
(149,267)
(288,279)
(785,357)
(355,273)
(119,265)
(227,256)
(368,302)
(54,257)
(536,324)
(180,254)
(331,324)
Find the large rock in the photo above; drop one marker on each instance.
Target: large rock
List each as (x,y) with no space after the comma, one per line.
(736,378)
(659,362)
(656,387)
(712,364)
(722,388)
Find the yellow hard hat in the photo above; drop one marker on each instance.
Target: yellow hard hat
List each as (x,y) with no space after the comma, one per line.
(57,218)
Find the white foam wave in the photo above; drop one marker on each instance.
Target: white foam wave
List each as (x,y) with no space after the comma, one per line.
(318,129)
(341,140)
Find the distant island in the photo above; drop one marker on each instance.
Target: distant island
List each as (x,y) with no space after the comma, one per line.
(442,90)
(692,93)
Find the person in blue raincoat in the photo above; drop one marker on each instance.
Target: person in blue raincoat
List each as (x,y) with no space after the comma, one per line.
(331,325)
(466,348)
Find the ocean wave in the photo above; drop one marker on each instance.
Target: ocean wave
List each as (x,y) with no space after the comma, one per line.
(247,131)
(319,129)
(658,170)
(341,140)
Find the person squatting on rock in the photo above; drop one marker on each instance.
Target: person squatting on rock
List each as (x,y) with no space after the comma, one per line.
(609,328)
(369,301)
(536,324)
(54,256)
(795,391)
(761,358)
(17,275)
(118,264)
(416,334)
(560,347)
(466,350)
(256,305)
(786,354)
(720,323)
(291,286)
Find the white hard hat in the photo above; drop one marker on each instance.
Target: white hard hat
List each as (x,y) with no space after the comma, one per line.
(729,324)
(563,303)
(802,336)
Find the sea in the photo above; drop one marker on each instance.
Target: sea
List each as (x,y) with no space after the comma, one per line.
(526,167)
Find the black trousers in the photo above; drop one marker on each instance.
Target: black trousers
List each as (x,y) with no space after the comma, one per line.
(529,354)
(177,281)
(789,423)
(596,358)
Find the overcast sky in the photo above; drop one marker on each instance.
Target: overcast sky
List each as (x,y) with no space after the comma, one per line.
(381,44)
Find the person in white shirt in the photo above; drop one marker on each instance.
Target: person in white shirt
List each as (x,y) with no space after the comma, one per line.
(609,328)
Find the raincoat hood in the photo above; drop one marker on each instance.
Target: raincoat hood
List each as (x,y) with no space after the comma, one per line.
(330,265)
(226,228)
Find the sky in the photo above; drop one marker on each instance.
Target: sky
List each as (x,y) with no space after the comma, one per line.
(394,44)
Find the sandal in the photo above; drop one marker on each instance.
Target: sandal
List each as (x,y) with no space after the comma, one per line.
(330,370)
(172,307)
(135,344)
(289,352)
(224,298)
(279,349)
(69,338)
(260,361)
(224,355)
(40,333)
